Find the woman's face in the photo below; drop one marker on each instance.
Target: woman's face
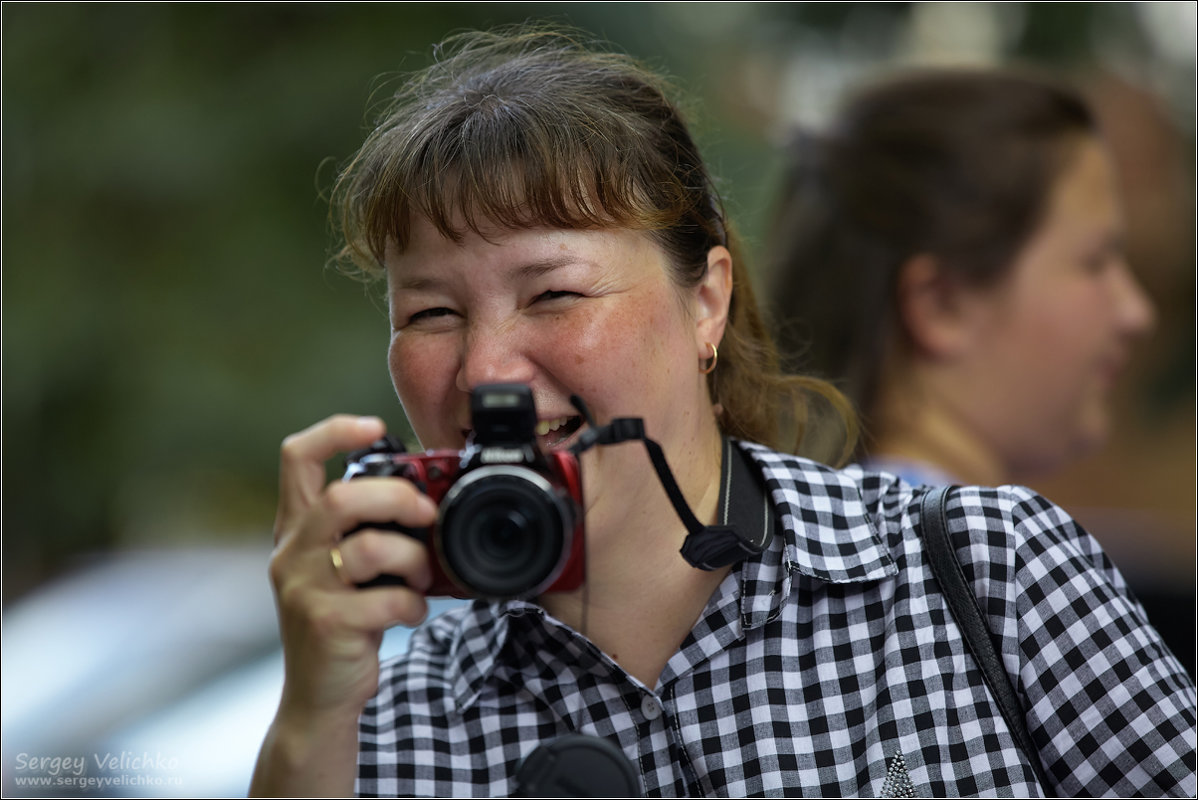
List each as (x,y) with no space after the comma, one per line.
(1052,337)
(592,313)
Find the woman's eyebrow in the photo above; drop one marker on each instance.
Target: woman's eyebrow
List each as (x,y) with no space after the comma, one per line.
(417,283)
(526,271)
(544,266)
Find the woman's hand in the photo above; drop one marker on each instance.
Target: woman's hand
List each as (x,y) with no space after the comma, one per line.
(330,629)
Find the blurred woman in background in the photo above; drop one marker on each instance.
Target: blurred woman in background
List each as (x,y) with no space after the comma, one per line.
(950,254)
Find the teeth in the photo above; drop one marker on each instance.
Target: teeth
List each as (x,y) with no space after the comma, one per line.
(545,426)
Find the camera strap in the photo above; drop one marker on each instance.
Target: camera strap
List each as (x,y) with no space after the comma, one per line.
(707,547)
(744,502)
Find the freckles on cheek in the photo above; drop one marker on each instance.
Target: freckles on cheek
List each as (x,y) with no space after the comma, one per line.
(409,370)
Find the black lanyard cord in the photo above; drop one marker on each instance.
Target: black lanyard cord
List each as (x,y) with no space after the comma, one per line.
(706,547)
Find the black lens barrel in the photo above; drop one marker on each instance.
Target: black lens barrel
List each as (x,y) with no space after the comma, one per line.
(504,531)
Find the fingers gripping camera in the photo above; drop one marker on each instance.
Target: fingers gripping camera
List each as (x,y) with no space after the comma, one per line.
(510,523)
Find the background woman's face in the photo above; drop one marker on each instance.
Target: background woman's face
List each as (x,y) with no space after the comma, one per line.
(1056,332)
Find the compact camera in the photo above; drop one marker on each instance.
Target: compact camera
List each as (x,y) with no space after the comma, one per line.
(510,523)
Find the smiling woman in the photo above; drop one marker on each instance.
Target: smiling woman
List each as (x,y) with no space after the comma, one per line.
(543,218)
(514,142)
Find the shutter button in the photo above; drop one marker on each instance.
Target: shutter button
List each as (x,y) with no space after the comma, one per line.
(650,707)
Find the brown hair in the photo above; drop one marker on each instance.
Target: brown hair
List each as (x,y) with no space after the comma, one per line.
(527,126)
(953,163)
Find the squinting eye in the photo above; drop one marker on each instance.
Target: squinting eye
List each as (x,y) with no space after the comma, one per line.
(429,313)
(554,295)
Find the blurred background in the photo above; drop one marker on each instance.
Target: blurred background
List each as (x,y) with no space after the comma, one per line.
(168,315)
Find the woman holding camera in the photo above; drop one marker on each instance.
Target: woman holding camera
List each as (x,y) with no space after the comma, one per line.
(543,217)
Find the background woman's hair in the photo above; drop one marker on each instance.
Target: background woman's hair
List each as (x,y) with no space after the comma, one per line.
(957,164)
(526,126)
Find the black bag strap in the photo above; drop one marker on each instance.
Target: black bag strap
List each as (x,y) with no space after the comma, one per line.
(962,602)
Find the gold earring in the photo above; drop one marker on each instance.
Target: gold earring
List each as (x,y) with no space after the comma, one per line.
(715,355)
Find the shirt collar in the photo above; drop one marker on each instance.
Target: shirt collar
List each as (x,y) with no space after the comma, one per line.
(827,531)
(478,640)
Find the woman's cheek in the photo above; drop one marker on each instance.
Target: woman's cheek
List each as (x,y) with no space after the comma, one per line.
(420,367)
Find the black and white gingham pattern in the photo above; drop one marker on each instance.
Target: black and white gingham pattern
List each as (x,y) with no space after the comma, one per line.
(817,667)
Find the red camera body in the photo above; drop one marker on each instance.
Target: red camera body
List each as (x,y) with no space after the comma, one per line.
(493,501)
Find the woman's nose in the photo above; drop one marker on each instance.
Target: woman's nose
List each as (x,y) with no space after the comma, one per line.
(493,355)
(1137,314)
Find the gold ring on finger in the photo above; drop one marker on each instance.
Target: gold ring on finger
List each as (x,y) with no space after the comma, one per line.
(339,565)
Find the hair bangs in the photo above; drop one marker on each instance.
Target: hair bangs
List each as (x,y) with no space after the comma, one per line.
(498,167)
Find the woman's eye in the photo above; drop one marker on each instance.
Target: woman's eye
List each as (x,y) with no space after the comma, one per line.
(554,294)
(429,313)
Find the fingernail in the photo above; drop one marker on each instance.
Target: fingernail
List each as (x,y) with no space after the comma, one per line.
(369,423)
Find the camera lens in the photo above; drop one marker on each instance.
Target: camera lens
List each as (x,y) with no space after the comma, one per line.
(504,532)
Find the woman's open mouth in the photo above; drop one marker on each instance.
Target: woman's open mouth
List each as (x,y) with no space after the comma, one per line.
(555,432)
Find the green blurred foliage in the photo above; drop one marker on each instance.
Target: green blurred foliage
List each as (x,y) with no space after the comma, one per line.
(168,314)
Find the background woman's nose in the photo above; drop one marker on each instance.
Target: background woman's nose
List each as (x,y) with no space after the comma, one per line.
(1137,314)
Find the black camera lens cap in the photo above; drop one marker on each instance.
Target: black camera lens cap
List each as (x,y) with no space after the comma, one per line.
(577,765)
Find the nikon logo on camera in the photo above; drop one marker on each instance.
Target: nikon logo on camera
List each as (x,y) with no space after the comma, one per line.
(502,455)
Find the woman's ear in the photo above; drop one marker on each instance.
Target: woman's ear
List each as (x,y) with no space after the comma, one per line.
(712,299)
(941,314)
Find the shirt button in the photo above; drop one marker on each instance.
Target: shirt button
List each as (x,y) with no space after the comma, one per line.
(650,707)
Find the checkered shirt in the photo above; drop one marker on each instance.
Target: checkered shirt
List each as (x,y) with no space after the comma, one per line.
(827,666)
